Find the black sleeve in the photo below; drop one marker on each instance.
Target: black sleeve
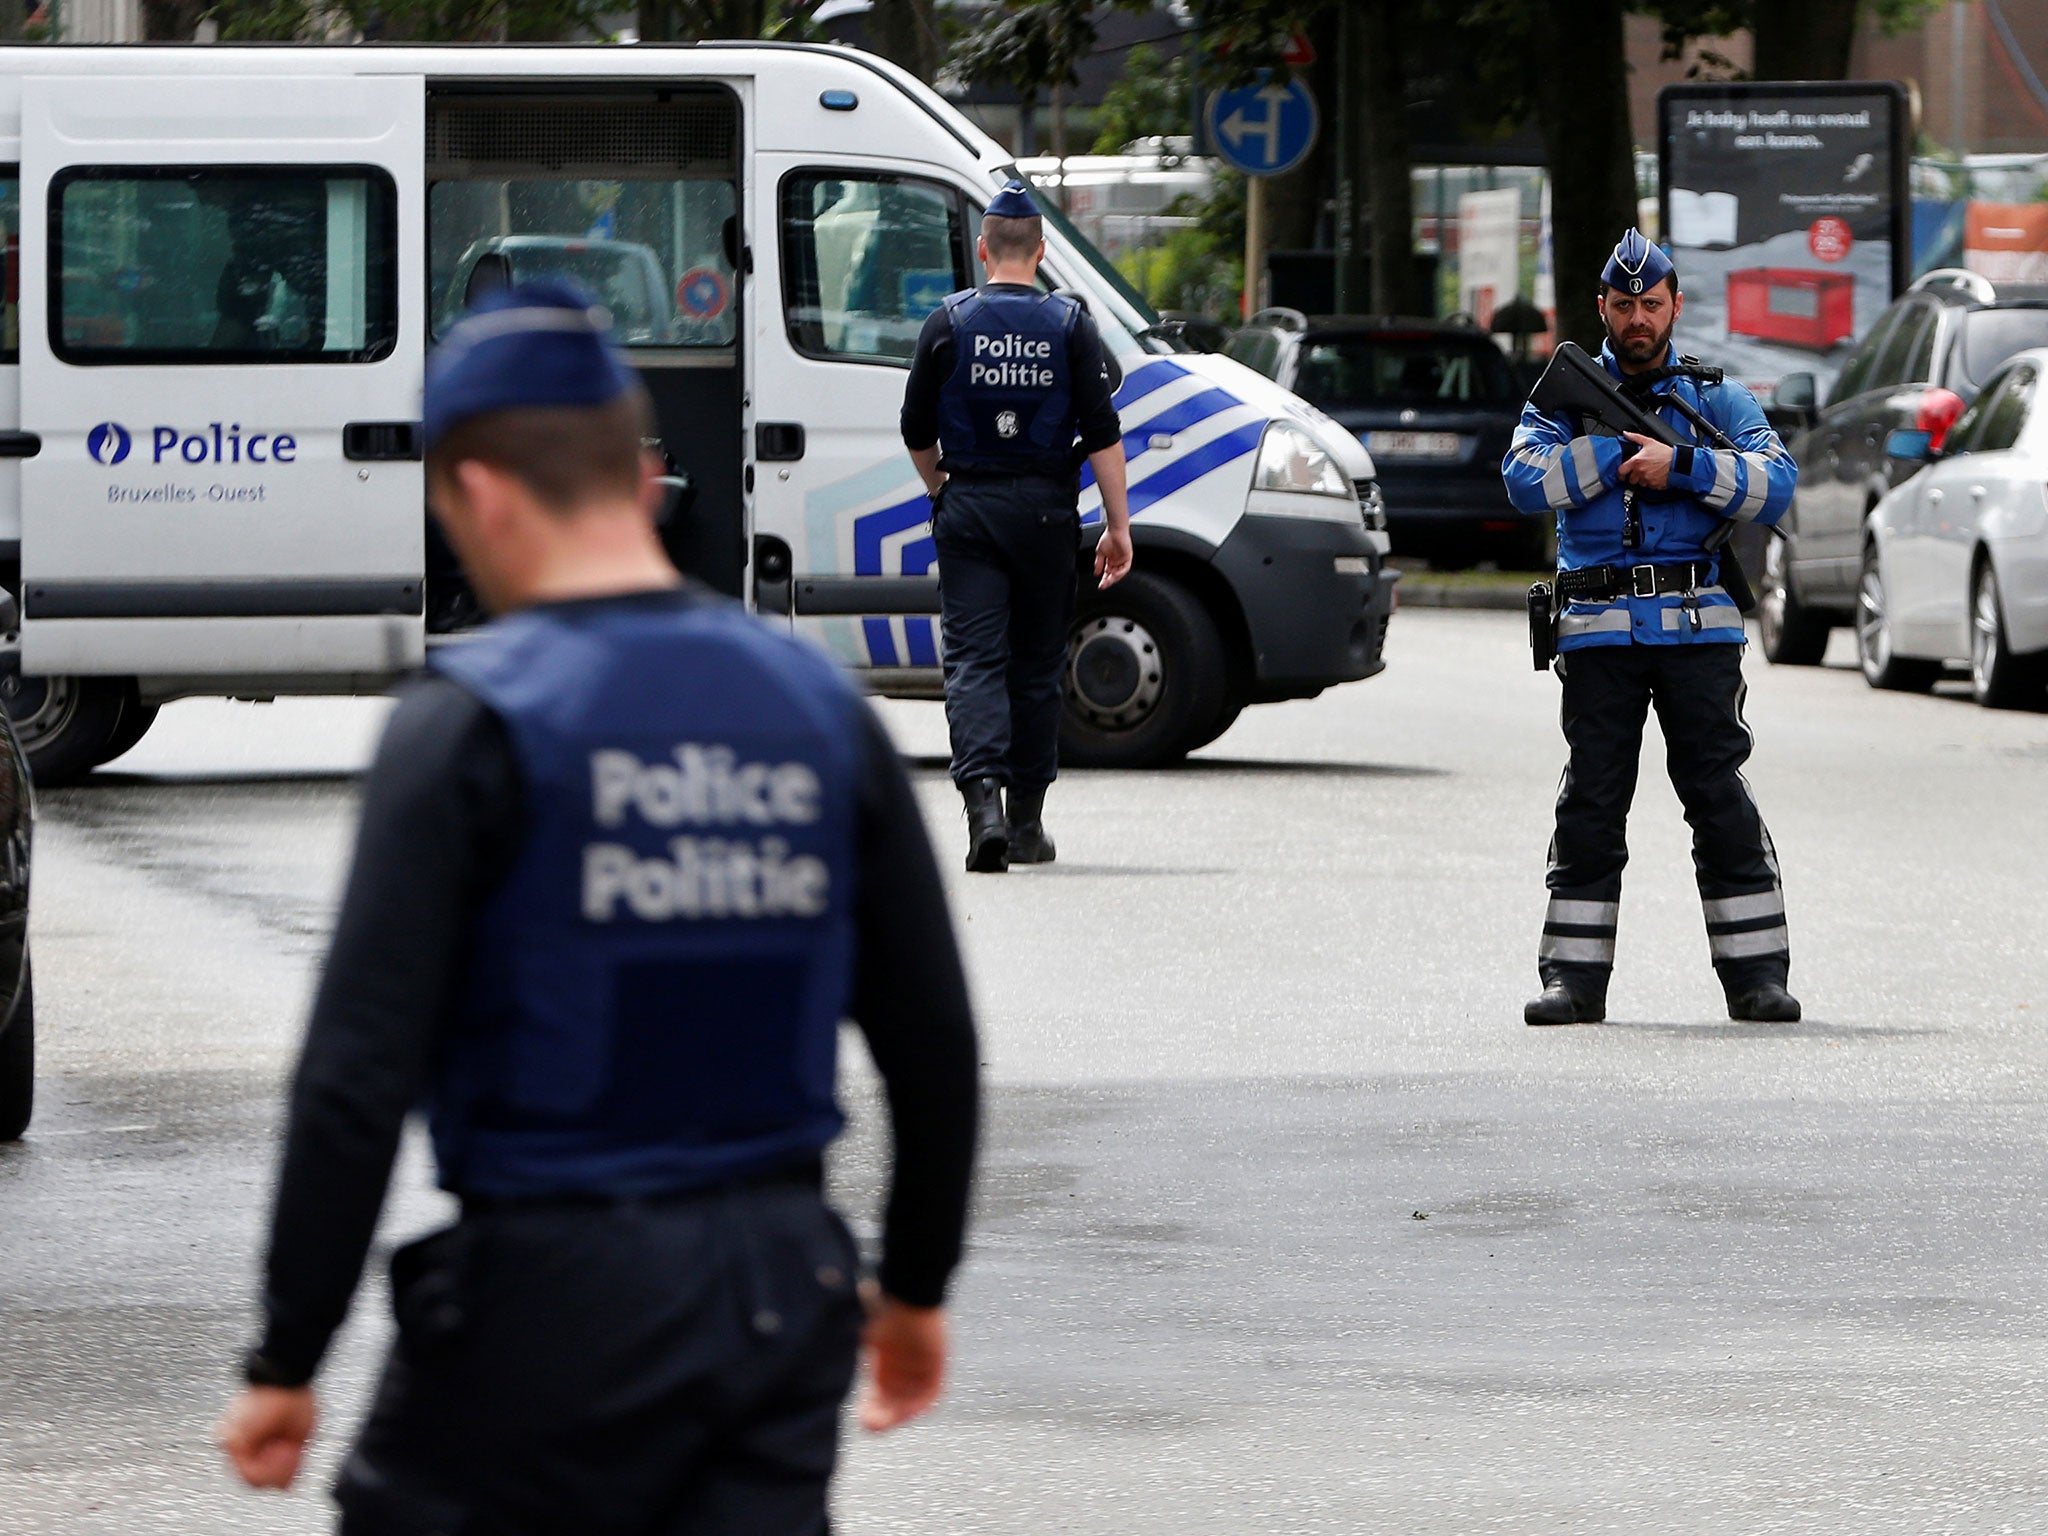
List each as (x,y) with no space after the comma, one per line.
(1094,409)
(929,366)
(439,827)
(910,1000)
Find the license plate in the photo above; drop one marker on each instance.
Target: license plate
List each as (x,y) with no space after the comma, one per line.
(1413,445)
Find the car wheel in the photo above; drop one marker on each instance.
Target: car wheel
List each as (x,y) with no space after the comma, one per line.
(1793,634)
(1232,708)
(62,723)
(1145,676)
(18,1062)
(1998,678)
(1882,667)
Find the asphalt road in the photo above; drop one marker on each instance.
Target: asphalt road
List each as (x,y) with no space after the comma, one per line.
(1287,1224)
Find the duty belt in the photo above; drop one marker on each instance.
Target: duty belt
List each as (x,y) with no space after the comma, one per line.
(1605,583)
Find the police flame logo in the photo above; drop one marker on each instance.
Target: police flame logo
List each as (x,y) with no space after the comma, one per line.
(108,443)
(1006,424)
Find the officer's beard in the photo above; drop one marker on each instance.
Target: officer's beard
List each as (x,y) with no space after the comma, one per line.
(1640,344)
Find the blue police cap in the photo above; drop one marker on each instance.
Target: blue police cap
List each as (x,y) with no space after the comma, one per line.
(1636,265)
(1013,202)
(544,342)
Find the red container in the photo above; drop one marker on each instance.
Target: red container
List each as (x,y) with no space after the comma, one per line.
(1793,305)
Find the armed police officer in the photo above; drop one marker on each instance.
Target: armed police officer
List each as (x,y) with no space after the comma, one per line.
(1646,621)
(626,861)
(1007,392)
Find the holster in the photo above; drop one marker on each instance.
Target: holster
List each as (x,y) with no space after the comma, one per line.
(1542,625)
(1735,582)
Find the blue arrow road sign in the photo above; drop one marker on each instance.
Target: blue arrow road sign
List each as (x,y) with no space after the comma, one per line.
(1263,129)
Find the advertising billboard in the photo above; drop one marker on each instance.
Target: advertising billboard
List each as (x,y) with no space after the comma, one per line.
(1785,208)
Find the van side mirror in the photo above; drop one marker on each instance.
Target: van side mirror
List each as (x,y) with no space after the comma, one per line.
(1796,392)
(1912,446)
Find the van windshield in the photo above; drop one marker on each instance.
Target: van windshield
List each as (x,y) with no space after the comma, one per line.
(1125,303)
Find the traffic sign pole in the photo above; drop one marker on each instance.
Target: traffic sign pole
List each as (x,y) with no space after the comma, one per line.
(1254,245)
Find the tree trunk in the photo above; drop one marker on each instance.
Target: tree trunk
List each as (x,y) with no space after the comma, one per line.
(1294,202)
(1806,40)
(1583,114)
(1389,186)
(906,32)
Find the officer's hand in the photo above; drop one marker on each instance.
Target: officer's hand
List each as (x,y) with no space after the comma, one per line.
(1112,556)
(1650,465)
(906,1359)
(265,1431)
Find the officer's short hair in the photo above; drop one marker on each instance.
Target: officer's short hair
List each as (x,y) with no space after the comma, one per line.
(568,456)
(1012,239)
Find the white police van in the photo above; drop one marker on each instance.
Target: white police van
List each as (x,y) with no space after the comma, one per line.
(225,266)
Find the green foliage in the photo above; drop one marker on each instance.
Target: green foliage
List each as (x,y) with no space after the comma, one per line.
(1199,268)
(1148,98)
(1029,45)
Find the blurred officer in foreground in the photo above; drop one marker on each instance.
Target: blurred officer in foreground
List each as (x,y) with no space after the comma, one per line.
(627,860)
(1003,381)
(1646,621)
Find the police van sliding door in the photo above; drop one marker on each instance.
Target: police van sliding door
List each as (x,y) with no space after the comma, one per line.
(221,351)
(863,255)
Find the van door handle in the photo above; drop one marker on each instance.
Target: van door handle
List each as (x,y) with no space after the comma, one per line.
(19,445)
(371,442)
(778,442)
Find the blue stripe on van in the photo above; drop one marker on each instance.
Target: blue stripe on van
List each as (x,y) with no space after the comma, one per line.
(870,529)
(881,642)
(1148,378)
(1192,466)
(923,644)
(1191,412)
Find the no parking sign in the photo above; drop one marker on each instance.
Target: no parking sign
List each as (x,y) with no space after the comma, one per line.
(703,293)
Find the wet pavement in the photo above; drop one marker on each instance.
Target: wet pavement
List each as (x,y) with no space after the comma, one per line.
(1286,1223)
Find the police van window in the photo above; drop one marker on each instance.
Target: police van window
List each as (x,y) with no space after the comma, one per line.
(865,259)
(654,251)
(10,279)
(223,264)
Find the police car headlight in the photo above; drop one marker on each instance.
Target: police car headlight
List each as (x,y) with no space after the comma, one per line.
(1291,460)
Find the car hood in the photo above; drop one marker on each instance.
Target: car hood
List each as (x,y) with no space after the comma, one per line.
(1255,389)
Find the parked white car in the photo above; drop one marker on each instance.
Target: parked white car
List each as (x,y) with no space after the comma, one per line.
(1955,559)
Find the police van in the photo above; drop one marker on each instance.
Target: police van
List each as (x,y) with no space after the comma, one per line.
(224,268)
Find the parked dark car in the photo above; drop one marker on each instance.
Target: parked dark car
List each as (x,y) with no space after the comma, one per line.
(1435,403)
(1917,370)
(17,992)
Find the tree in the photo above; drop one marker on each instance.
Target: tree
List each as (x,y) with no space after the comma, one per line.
(1149,99)
(906,32)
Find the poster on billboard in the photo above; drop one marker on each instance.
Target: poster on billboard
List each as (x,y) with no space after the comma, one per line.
(1489,251)
(1785,209)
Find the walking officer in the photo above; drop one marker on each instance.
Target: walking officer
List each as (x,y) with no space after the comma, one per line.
(1004,382)
(1646,622)
(627,859)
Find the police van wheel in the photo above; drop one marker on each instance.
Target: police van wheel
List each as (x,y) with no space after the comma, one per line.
(18,1062)
(63,723)
(1145,676)
(136,719)
(1225,719)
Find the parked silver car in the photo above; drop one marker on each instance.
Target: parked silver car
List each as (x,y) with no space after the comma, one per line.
(1955,559)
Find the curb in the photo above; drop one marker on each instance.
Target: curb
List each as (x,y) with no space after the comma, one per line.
(1425,594)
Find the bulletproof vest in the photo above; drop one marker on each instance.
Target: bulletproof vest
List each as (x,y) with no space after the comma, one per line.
(653,994)
(1009,404)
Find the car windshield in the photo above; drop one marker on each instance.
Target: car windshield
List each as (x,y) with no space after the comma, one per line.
(1132,312)
(1990,336)
(1418,369)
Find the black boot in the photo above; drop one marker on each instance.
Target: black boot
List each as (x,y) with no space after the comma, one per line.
(1559,1004)
(1767,1003)
(1029,843)
(988,836)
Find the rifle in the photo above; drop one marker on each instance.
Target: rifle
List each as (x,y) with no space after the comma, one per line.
(1574,383)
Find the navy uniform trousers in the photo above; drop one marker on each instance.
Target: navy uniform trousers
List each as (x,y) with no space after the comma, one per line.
(1007,550)
(664,1367)
(1697,691)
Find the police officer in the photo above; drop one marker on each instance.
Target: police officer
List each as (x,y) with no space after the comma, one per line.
(1646,622)
(626,860)
(1003,381)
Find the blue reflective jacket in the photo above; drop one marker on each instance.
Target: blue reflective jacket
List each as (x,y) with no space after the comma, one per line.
(1578,479)
(1009,403)
(653,995)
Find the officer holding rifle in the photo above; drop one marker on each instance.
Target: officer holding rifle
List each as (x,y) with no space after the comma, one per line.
(1644,616)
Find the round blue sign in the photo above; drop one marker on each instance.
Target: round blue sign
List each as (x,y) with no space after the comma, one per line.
(702,294)
(1264,128)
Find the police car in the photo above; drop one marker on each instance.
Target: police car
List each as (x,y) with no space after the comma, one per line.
(230,266)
